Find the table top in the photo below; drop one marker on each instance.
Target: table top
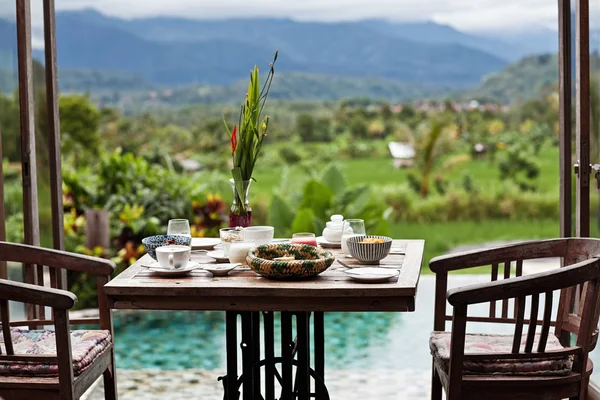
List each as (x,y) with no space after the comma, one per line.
(244,290)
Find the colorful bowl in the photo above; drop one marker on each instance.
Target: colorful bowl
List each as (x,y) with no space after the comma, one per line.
(310,261)
(152,242)
(369,253)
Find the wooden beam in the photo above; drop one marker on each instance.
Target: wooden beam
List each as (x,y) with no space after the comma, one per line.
(583,119)
(3,264)
(54,138)
(565,115)
(28,158)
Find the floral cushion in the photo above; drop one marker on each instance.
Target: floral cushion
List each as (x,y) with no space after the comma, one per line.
(439,344)
(86,346)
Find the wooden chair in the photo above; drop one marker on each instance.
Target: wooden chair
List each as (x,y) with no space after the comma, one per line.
(71,360)
(538,365)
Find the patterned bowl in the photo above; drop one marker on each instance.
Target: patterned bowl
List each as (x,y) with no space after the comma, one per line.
(369,253)
(152,242)
(310,261)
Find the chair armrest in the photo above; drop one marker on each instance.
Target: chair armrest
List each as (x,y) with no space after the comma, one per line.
(55,258)
(33,294)
(526,285)
(477,258)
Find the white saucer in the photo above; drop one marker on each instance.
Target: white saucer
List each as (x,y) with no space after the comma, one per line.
(157,270)
(218,255)
(204,243)
(372,274)
(220,269)
(326,243)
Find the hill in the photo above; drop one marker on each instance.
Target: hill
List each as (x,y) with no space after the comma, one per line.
(523,79)
(287,86)
(220,52)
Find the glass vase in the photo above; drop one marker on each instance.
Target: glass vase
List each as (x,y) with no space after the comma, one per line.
(241,212)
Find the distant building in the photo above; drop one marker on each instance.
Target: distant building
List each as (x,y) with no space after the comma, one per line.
(403,154)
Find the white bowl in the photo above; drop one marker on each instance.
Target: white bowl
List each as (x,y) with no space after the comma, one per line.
(260,235)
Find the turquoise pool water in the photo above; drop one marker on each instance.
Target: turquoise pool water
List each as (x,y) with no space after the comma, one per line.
(183,340)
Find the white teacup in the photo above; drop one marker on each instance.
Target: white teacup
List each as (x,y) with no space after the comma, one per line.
(173,256)
(259,234)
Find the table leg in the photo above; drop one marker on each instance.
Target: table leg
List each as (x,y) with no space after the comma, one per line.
(255,350)
(231,385)
(303,347)
(269,341)
(286,356)
(319,341)
(248,355)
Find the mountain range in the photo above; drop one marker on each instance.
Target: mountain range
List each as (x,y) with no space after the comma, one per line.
(98,53)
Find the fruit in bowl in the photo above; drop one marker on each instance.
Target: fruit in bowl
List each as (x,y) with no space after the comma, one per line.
(369,249)
(288,261)
(152,242)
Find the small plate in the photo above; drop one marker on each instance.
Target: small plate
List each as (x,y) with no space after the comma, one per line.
(157,270)
(218,255)
(204,243)
(372,274)
(220,269)
(327,244)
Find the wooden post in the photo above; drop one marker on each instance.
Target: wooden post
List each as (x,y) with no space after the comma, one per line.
(28,159)
(565,115)
(97,229)
(583,119)
(54,138)
(3,264)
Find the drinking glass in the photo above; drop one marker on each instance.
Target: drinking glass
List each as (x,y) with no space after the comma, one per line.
(238,250)
(350,228)
(304,238)
(229,235)
(180,227)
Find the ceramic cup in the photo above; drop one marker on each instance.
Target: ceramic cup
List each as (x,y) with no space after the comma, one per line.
(238,251)
(260,235)
(173,256)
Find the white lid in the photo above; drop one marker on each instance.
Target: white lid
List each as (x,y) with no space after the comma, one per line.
(336,222)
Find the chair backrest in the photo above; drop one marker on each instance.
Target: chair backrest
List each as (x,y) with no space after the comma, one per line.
(507,262)
(44,266)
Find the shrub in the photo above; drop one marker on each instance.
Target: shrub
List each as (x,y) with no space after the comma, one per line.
(508,202)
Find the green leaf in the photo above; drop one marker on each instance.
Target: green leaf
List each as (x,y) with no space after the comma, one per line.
(304,221)
(317,197)
(334,179)
(280,215)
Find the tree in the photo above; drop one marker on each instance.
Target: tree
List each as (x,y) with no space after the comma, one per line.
(79,123)
(305,125)
(430,141)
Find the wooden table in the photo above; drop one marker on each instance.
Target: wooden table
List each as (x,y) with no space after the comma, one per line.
(243,293)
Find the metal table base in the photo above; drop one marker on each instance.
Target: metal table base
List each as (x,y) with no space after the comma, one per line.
(290,372)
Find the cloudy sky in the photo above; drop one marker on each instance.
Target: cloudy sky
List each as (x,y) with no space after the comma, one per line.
(468,15)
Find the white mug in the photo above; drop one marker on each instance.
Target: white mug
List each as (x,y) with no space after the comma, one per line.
(260,235)
(173,256)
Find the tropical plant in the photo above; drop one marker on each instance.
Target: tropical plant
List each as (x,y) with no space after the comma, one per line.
(323,196)
(247,142)
(430,141)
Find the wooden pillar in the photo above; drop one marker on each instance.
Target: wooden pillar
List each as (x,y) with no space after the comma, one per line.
(565,115)
(583,119)
(3,264)
(28,159)
(54,139)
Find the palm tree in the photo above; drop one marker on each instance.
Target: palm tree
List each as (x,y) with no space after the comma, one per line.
(430,140)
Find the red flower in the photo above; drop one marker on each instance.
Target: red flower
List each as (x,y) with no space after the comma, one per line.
(234,139)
